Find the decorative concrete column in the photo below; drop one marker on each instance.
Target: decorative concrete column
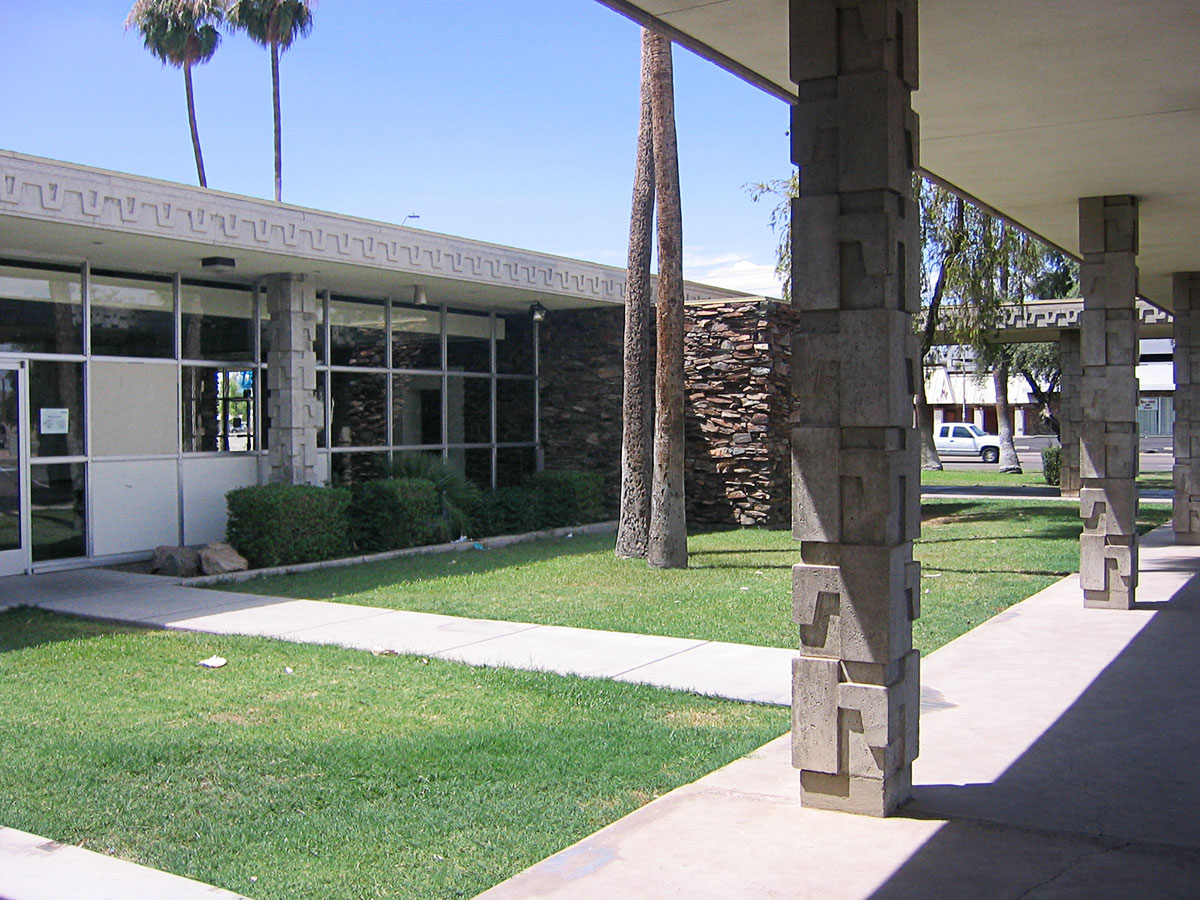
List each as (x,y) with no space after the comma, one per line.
(1068,411)
(856,458)
(1187,407)
(1108,435)
(295,410)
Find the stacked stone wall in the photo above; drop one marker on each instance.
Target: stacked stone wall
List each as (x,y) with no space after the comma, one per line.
(738,390)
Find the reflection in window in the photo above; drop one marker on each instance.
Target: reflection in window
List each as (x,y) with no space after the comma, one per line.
(514,345)
(514,465)
(475,463)
(416,337)
(41,311)
(468,342)
(132,317)
(469,410)
(58,511)
(351,468)
(217,323)
(56,408)
(218,410)
(416,410)
(514,410)
(359,409)
(357,333)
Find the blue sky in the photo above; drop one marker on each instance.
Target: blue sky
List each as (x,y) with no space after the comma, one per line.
(511,121)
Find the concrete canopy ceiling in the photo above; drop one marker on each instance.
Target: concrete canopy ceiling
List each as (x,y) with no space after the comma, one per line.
(1027,105)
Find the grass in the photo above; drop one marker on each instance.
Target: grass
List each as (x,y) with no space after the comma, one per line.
(1161,481)
(351,776)
(979,556)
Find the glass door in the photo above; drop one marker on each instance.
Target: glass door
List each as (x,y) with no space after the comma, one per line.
(14,518)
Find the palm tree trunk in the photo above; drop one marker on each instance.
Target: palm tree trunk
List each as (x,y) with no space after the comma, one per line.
(278,139)
(1008,452)
(667,547)
(636,406)
(191,105)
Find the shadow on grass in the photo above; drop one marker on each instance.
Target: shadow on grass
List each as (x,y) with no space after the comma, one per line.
(27,626)
(1054,533)
(1058,573)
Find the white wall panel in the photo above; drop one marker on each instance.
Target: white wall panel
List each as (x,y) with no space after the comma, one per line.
(205,483)
(135,505)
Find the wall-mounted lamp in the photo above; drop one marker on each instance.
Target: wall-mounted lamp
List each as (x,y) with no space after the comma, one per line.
(537,312)
(419,296)
(218,263)
(406,218)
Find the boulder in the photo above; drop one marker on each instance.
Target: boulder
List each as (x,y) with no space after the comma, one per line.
(182,562)
(219,558)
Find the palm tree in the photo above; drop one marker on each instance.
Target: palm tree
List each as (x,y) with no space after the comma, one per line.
(667,548)
(274,24)
(636,406)
(181,33)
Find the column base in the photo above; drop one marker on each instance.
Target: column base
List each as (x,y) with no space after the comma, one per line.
(1110,599)
(1187,537)
(856,794)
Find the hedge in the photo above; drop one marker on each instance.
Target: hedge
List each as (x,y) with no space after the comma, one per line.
(1052,465)
(392,513)
(281,524)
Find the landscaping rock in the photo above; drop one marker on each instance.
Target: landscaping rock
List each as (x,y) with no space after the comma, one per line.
(182,562)
(218,558)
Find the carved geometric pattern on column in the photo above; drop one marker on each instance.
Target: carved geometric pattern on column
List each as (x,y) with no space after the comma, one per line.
(1186,291)
(856,487)
(1108,434)
(1069,411)
(292,380)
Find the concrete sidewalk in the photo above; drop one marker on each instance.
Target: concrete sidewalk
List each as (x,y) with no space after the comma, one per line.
(1058,760)
(734,671)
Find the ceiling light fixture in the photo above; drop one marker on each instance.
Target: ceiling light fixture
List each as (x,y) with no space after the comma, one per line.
(537,312)
(219,263)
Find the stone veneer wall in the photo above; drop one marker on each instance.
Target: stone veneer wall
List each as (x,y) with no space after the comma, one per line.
(738,401)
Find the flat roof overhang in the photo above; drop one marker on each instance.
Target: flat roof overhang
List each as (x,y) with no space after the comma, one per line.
(1026,105)
(54,211)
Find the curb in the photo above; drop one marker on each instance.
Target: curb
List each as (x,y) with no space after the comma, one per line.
(492,543)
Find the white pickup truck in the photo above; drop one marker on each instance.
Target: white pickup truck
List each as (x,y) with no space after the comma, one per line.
(964,439)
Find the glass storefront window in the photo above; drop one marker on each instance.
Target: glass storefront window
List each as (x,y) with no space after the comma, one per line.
(416,337)
(469,410)
(416,410)
(514,345)
(474,462)
(41,310)
(515,410)
(58,511)
(56,408)
(359,409)
(218,410)
(217,322)
(514,465)
(132,316)
(357,333)
(351,468)
(468,342)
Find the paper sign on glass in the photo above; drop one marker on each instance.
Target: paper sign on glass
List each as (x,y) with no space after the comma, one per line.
(55,421)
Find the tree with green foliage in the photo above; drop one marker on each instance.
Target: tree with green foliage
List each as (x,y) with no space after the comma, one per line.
(786,190)
(181,33)
(274,24)
(1040,366)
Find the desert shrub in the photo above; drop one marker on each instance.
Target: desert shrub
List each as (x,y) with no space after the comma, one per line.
(392,513)
(1052,464)
(280,524)
(459,500)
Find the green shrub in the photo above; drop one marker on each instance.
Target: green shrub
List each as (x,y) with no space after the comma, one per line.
(1052,464)
(280,524)
(392,513)
(459,500)
(508,510)
(567,498)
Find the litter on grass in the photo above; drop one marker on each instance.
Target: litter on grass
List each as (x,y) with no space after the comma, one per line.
(213,662)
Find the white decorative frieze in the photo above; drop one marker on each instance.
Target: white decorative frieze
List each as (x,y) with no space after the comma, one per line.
(50,191)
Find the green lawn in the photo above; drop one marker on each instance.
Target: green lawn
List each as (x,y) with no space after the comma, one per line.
(352,776)
(989,477)
(979,556)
